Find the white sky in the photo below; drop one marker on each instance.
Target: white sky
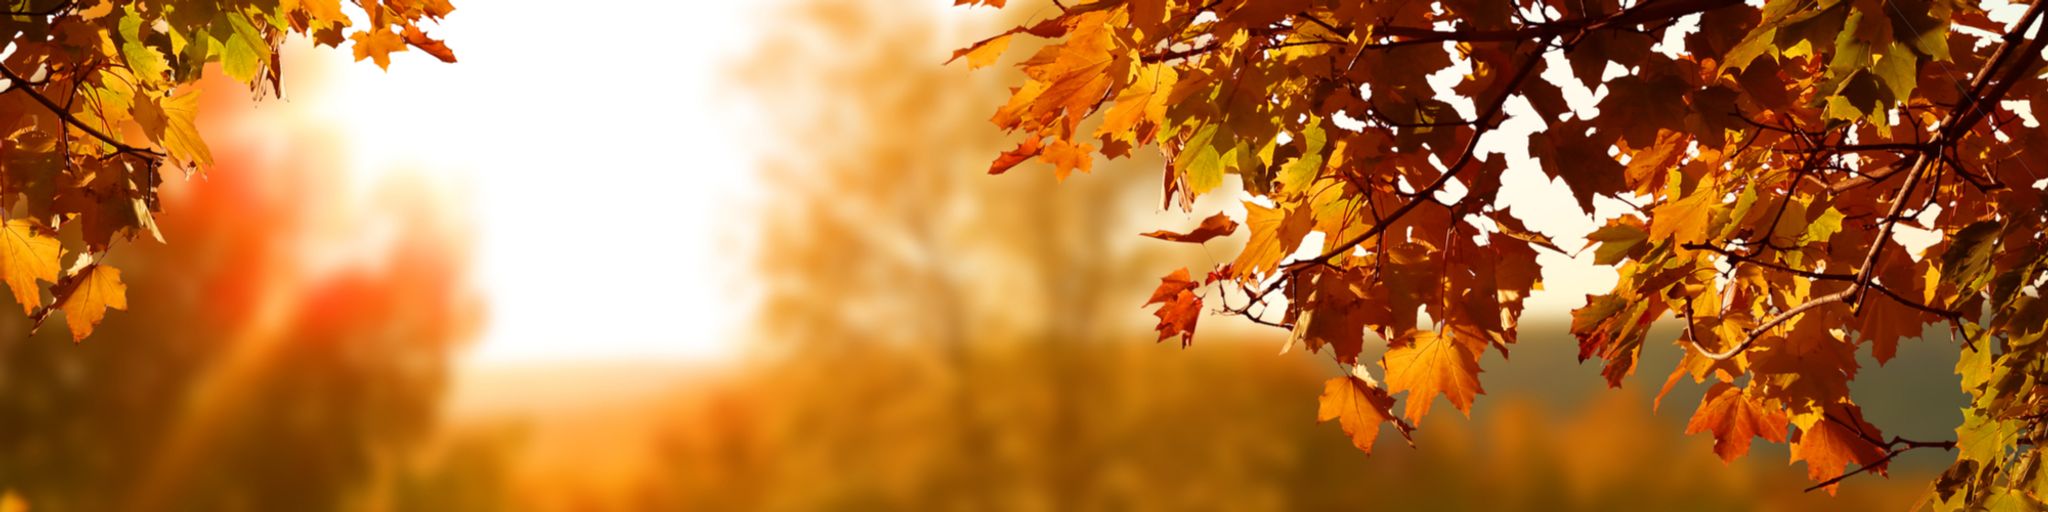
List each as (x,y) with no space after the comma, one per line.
(600,168)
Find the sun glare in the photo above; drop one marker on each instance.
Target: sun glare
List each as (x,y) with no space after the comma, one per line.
(597,180)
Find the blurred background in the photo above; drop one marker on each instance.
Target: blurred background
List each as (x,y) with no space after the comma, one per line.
(742,256)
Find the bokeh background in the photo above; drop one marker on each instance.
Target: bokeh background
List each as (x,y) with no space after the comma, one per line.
(742,256)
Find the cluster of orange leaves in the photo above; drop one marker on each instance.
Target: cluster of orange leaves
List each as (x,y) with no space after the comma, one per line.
(101,94)
(1770,157)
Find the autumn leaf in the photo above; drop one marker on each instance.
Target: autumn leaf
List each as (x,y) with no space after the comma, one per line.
(435,47)
(983,53)
(1840,439)
(1359,409)
(1179,307)
(1275,234)
(172,122)
(377,45)
(1212,227)
(1683,220)
(1617,240)
(1067,157)
(85,293)
(27,255)
(1426,364)
(1735,418)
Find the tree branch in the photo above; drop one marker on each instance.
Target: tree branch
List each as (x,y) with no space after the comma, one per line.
(20,84)
(1947,132)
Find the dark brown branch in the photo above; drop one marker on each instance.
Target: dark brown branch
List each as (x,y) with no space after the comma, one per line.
(19,84)
(1892,450)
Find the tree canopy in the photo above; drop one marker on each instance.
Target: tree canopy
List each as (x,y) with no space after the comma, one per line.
(100,96)
(1771,157)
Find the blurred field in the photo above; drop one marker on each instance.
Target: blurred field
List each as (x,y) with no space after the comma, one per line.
(1128,426)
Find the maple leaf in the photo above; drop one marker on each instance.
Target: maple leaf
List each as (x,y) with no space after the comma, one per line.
(377,45)
(435,47)
(1359,408)
(1735,418)
(1141,104)
(1179,307)
(1620,238)
(1067,156)
(1683,220)
(172,122)
(1333,315)
(1513,227)
(27,255)
(1426,364)
(1275,234)
(1840,438)
(84,295)
(1212,227)
(984,52)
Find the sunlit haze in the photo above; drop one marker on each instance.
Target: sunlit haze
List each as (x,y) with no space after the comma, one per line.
(600,179)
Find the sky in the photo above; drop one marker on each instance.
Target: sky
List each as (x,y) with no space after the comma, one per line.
(597,160)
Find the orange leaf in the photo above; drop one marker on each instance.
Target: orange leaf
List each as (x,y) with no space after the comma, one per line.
(1735,417)
(983,53)
(1830,445)
(1212,227)
(434,47)
(1179,307)
(377,45)
(1066,156)
(1359,408)
(1426,364)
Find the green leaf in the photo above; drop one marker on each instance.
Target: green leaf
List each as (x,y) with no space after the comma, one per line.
(1825,227)
(1616,241)
(1296,175)
(244,52)
(1966,264)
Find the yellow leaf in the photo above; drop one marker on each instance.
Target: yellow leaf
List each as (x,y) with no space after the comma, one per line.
(27,255)
(1427,364)
(171,123)
(1358,408)
(323,10)
(983,53)
(85,295)
(1142,103)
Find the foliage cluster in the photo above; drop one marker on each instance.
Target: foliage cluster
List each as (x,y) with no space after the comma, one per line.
(1771,154)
